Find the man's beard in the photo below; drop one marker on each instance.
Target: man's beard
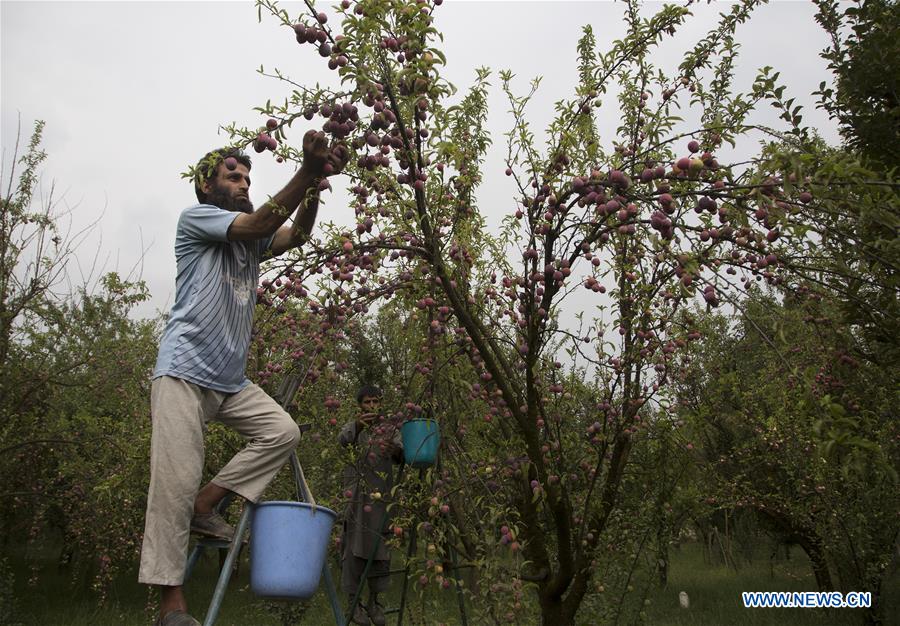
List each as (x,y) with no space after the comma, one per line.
(221,198)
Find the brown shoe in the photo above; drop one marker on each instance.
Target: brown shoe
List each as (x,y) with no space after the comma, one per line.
(212,525)
(376,613)
(176,618)
(359,616)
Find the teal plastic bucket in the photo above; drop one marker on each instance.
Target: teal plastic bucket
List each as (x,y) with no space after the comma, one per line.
(421,440)
(288,544)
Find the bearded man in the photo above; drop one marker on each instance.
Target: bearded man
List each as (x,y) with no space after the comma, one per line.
(199,374)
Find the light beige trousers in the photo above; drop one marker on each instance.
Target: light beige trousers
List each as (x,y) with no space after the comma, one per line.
(180,411)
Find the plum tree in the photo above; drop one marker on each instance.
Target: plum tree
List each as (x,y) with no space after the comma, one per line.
(642,230)
(806,440)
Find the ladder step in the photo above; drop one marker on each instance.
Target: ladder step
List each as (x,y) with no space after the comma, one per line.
(213,543)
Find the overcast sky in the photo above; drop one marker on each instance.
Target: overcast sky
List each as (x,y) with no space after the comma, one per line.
(134,92)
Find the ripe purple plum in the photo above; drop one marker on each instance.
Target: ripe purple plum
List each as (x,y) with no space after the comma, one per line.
(618,178)
(261,142)
(707,204)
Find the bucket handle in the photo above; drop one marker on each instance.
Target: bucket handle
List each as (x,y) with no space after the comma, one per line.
(305,491)
(424,441)
(306,488)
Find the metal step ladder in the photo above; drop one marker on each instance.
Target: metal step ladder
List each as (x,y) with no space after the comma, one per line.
(234,547)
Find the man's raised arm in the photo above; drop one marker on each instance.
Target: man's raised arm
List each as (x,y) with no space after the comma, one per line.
(268,219)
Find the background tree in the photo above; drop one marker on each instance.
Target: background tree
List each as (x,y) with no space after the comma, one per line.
(75,377)
(792,427)
(863,55)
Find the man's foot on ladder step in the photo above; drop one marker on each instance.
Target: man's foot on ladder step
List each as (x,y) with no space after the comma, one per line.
(212,525)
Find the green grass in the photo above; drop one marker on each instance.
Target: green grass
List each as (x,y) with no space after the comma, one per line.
(715,594)
(55,601)
(714,598)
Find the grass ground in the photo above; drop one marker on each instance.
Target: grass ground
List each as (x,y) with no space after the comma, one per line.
(714,593)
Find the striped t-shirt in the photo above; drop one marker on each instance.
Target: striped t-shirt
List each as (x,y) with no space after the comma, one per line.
(208,332)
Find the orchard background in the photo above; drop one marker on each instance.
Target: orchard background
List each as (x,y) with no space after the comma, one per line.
(654,307)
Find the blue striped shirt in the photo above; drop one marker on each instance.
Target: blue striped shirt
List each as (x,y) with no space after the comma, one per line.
(207,336)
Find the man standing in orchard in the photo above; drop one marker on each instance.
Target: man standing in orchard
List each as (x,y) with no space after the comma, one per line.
(199,372)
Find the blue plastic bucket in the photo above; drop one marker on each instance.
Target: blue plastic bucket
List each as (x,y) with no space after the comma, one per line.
(288,544)
(421,440)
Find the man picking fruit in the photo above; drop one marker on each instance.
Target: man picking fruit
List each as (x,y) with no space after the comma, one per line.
(199,374)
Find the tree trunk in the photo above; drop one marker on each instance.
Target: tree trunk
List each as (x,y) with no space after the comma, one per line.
(819,566)
(662,562)
(811,544)
(552,612)
(560,609)
(556,611)
(874,615)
